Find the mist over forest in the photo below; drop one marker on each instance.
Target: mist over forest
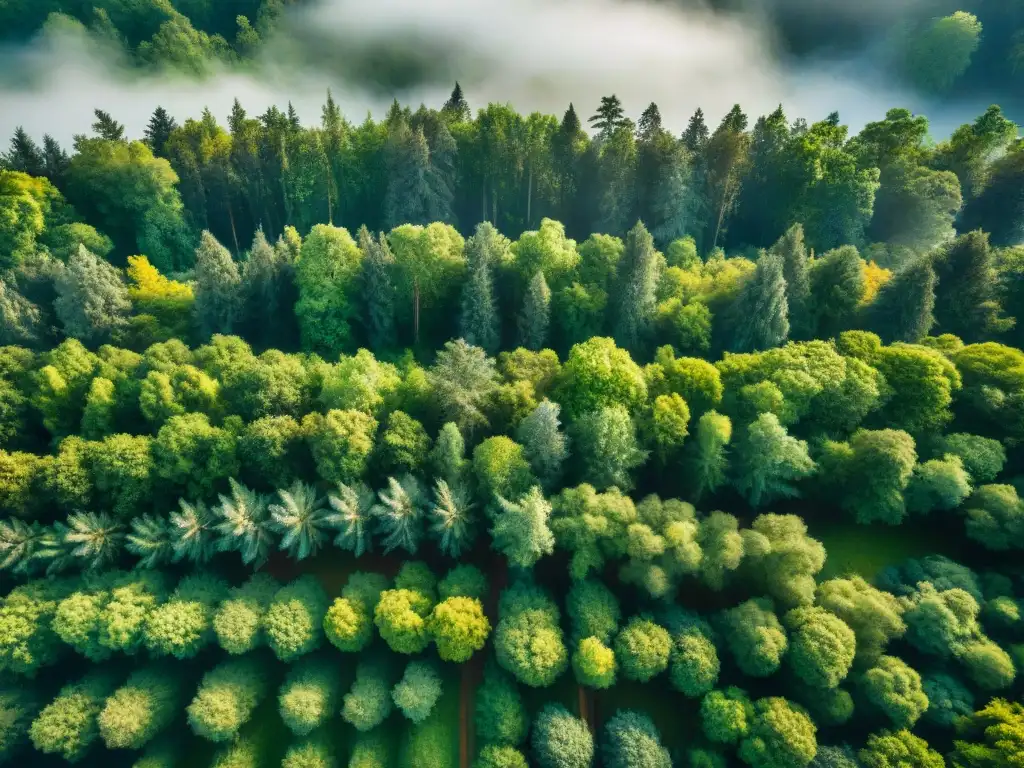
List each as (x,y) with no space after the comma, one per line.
(538,55)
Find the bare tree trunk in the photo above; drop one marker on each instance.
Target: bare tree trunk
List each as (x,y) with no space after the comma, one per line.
(234,234)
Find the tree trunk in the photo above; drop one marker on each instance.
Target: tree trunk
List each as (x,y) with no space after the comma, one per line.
(494,207)
(234,233)
(416,311)
(483,196)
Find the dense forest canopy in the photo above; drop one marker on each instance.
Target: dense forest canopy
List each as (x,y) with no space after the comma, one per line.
(490,439)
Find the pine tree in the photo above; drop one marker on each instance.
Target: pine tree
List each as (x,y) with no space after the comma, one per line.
(452,519)
(760,314)
(193,528)
(56,162)
(535,318)
(352,517)
(635,291)
(478,317)
(967,296)
(244,524)
(408,199)
(217,288)
(151,540)
(158,132)
(724,160)
(609,116)
(456,107)
(106,127)
(696,134)
(902,310)
(796,271)
(399,514)
(379,290)
(95,539)
(544,444)
(260,283)
(19,542)
(24,155)
(650,123)
(300,519)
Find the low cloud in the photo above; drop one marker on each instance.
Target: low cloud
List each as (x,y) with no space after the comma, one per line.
(535,54)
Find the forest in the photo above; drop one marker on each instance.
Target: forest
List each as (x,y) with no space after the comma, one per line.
(454,439)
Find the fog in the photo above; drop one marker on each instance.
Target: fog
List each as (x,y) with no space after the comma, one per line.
(535,54)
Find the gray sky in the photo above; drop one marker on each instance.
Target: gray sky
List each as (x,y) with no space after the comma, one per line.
(535,54)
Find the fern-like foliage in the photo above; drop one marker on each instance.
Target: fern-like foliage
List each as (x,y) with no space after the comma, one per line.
(244,524)
(399,514)
(193,531)
(95,539)
(151,540)
(301,520)
(19,544)
(351,517)
(451,519)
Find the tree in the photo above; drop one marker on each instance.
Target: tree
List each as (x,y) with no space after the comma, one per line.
(948,699)
(463,378)
(874,469)
(780,735)
(694,664)
(183,626)
(707,460)
(607,447)
(594,663)
(293,623)
(500,756)
(520,529)
(341,443)
(459,628)
(821,646)
(895,689)
(997,209)
(761,311)
(902,310)
(429,264)
(418,691)
(597,374)
(479,319)
(888,749)
(456,107)
(560,740)
(642,648)
(635,290)
(938,484)
(144,706)
(501,469)
(940,51)
(325,275)
(991,736)
(92,301)
(631,739)
(67,725)
(755,637)
(995,517)
(368,701)
(768,461)
(609,116)
(401,618)
(158,131)
(245,524)
(238,622)
(967,296)
(837,288)
(19,708)
(399,514)
(528,640)
(726,716)
(544,446)
(310,695)
(227,697)
(352,517)
(874,616)
(535,317)
(378,266)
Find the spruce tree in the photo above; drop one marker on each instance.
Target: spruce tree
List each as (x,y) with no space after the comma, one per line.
(158,132)
(635,293)
(259,282)
(796,270)
(536,315)
(902,310)
(967,296)
(106,127)
(92,300)
(456,107)
(217,288)
(56,161)
(24,155)
(407,199)
(760,315)
(696,134)
(478,317)
(650,123)
(378,290)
